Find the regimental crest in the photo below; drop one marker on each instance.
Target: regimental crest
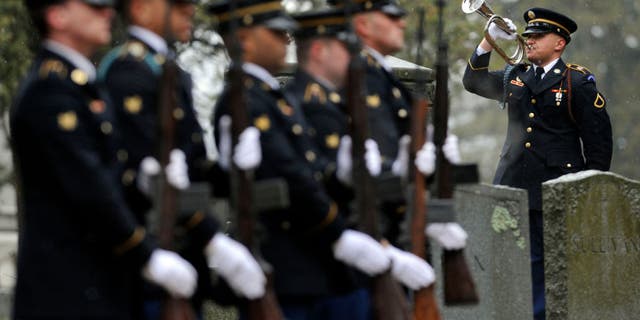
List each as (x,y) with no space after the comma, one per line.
(314,91)
(55,67)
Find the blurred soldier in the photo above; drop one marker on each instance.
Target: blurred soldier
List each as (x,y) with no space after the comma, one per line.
(380,26)
(304,240)
(81,250)
(132,72)
(323,59)
(558,122)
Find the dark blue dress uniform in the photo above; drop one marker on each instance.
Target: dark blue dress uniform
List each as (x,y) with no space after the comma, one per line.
(80,248)
(132,73)
(299,238)
(557,125)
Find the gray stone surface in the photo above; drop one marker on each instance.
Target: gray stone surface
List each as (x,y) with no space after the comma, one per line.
(592,246)
(497,221)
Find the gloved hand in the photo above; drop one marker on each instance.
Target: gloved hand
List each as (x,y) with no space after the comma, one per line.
(170,271)
(426,159)
(372,158)
(450,149)
(409,269)
(496,33)
(449,235)
(247,153)
(400,166)
(362,252)
(149,167)
(235,263)
(177,170)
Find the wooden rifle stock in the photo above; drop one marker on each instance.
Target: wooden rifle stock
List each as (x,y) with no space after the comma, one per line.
(459,287)
(388,300)
(265,307)
(172,308)
(425,306)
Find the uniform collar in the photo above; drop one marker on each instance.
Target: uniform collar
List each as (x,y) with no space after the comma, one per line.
(147,36)
(379,58)
(262,74)
(74,57)
(547,67)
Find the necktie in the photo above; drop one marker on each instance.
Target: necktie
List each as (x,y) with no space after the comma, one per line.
(539,72)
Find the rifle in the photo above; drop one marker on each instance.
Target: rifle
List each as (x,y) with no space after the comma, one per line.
(425,306)
(459,287)
(172,308)
(265,307)
(388,300)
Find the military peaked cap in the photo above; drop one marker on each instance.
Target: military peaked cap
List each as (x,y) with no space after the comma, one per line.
(268,13)
(388,7)
(33,5)
(540,20)
(329,22)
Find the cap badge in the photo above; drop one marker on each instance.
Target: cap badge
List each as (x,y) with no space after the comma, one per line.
(531,15)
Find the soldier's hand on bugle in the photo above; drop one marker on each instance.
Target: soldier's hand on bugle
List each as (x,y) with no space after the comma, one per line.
(496,33)
(170,271)
(236,265)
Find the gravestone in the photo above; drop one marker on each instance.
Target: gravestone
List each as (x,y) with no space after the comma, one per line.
(592,246)
(497,253)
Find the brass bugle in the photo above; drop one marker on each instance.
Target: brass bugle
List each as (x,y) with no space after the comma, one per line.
(480,7)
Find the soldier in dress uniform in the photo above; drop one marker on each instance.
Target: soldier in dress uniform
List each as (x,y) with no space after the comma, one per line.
(558,121)
(303,241)
(323,60)
(132,73)
(380,26)
(80,250)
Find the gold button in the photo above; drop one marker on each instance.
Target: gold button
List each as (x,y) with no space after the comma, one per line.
(285,225)
(296,129)
(310,155)
(318,176)
(106,127)
(510,94)
(402,113)
(527,145)
(178,113)
(128,177)
(533,101)
(529,129)
(123,155)
(531,115)
(568,165)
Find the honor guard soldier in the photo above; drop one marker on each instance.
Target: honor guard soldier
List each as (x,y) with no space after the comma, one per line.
(323,60)
(558,121)
(303,240)
(81,250)
(380,26)
(132,73)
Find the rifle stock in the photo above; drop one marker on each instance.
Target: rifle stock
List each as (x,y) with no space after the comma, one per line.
(172,308)
(388,300)
(459,287)
(265,307)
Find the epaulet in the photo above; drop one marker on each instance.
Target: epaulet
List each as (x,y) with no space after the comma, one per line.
(314,91)
(578,68)
(52,67)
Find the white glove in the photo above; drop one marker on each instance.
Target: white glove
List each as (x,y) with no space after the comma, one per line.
(170,271)
(224,148)
(372,157)
(450,149)
(235,263)
(409,269)
(449,235)
(426,159)
(177,170)
(247,154)
(496,33)
(362,252)
(149,167)
(400,166)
